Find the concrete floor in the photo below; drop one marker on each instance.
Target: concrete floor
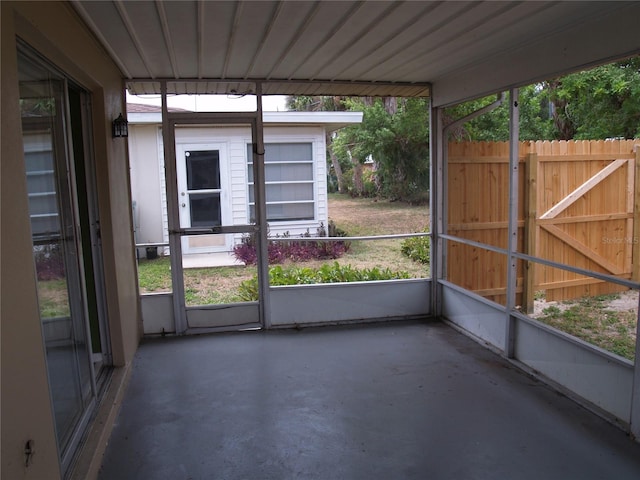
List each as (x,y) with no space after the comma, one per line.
(386,401)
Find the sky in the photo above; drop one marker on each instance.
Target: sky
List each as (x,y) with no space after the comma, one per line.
(214,103)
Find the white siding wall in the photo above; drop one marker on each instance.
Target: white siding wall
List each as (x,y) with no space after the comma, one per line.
(147,177)
(147,181)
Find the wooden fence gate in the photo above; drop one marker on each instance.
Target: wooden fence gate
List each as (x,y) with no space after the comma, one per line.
(578,204)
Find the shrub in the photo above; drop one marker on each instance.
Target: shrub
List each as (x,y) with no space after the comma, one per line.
(336,231)
(328,273)
(285,248)
(49,260)
(370,183)
(417,248)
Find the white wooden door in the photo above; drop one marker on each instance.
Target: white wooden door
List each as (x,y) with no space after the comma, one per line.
(203,195)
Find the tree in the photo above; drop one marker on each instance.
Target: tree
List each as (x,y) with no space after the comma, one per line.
(535,121)
(595,104)
(394,134)
(318,104)
(600,103)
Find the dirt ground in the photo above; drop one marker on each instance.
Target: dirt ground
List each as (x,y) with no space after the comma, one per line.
(626,302)
(366,216)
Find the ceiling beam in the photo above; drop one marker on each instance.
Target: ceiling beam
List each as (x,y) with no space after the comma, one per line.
(232,37)
(597,39)
(275,13)
(131,30)
(79,7)
(365,28)
(296,38)
(346,18)
(164,24)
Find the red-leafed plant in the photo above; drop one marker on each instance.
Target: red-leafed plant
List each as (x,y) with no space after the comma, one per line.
(284,247)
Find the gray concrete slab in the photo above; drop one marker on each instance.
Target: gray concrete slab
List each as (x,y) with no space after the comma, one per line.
(207,260)
(386,401)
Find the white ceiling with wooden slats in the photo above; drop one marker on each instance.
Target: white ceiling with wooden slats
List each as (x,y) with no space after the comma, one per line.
(355,47)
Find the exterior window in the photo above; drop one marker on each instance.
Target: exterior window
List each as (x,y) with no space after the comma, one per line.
(289,182)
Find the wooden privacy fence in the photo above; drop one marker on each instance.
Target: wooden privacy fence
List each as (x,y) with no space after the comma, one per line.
(578,204)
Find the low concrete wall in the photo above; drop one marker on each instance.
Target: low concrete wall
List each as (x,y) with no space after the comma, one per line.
(157,313)
(603,380)
(595,375)
(470,313)
(332,303)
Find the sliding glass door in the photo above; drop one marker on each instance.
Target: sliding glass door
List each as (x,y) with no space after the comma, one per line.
(64,232)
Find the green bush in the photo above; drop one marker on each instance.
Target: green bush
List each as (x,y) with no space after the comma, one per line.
(328,273)
(370,183)
(417,249)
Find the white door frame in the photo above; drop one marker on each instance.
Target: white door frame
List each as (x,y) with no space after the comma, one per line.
(183,194)
(205,318)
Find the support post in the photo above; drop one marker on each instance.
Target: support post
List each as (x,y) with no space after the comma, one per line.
(173,217)
(530,230)
(635,395)
(635,241)
(512,245)
(437,206)
(634,423)
(261,215)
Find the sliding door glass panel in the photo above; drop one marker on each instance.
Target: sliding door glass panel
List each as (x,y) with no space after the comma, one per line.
(55,246)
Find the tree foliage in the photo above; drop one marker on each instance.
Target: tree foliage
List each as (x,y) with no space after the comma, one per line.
(398,144)
(600,103)
(595,104)
(535,121)
(394,136)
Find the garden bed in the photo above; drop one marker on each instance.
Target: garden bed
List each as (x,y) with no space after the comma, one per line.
(354,216)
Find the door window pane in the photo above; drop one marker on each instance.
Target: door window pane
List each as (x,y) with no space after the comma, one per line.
(203,170)
(205,209)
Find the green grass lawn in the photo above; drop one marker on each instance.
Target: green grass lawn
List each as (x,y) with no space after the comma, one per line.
(355,216)
(202,286)
(53,298)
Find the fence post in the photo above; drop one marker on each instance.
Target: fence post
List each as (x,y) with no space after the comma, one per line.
(635,241)
(634,423)
(531,201)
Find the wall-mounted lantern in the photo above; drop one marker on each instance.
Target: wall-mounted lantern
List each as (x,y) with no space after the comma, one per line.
(120,127)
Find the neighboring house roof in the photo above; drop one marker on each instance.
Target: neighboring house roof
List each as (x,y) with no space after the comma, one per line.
(142,108)
(150,114)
